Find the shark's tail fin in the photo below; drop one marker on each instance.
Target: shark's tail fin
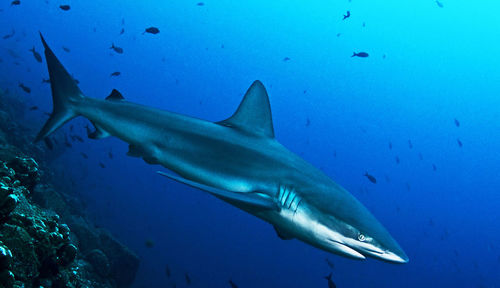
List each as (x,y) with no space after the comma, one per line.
(65,93)
(329,276)
(354,54)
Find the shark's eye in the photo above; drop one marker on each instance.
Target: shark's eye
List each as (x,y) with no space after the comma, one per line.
(361,237)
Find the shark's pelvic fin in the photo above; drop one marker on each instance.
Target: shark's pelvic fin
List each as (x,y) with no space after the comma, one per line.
(136,151)
(65,93)
(249,199)
(254,113)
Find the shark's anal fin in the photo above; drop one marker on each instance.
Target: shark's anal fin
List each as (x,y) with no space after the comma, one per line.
(98,133)
(283,235)
(250,199)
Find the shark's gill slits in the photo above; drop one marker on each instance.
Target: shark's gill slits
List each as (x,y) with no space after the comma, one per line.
(287,198)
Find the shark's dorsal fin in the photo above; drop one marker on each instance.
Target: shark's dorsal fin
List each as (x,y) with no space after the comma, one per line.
(254,113)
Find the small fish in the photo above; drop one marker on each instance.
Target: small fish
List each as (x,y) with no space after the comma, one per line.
(188,279)
(286,59)
(390,145)
(15,3)
(410,145)
(387,179)
(330,263)
(348,14)
(122,31)
(440,5)
(25,88)
(149,243)
(459,143)
(308,122)
(200,4)
(457,123)
(33,108)
(397,159)
(45,80)
(13,54)
(117,73)
(36,55)
(331,284)
(364,24)
(110,154)
(7,36)
(338,34)
(233,285)
(360,54)
(117,49)
(85,156)
(66,49)
(434,167)
(65,7)
(102,165)
(371,178)
(151,30)
(167,271)
(48,143)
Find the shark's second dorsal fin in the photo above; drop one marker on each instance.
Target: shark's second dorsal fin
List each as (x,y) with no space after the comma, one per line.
(254,113)
(115,95)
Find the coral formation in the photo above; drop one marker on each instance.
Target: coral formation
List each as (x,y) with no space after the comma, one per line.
(45,240)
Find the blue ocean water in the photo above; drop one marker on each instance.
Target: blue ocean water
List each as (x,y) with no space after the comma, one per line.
(427,66)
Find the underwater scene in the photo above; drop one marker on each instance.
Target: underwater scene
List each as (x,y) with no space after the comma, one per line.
(249,143)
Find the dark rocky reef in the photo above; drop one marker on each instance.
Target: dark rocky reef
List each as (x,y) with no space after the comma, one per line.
(45,238)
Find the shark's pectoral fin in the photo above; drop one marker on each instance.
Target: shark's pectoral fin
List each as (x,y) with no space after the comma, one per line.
(253,200)
(282,234)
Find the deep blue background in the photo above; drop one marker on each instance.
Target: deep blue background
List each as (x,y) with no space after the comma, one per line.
(440,64)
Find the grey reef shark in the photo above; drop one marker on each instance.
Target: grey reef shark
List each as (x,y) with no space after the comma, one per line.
(237,160)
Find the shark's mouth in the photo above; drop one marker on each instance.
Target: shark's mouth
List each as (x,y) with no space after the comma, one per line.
(361,251)
(345,250)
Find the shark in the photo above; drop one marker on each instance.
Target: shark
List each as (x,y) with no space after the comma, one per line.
(237,160)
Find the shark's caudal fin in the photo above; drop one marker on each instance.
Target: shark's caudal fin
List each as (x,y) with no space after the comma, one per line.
(254,113)
(65,93)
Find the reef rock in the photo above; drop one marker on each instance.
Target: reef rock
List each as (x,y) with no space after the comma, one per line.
(45,240)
